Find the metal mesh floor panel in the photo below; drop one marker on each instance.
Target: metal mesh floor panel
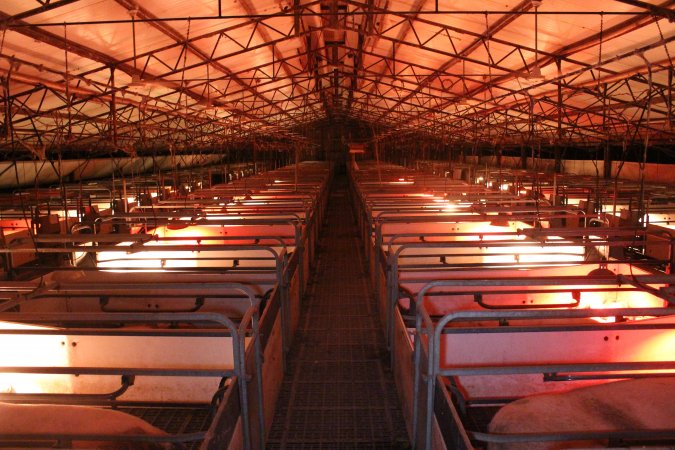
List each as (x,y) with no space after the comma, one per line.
(174,420)
(339,392)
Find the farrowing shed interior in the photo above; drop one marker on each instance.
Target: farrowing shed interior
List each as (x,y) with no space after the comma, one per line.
(335,224)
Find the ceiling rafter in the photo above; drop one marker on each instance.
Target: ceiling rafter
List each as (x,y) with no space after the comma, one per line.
(480,113)
(584,68)
(406,27)
(391,66)
(88,96)
(180,39)
(49,6)
(510,73)
(35,33)
(498,25)
(247,5)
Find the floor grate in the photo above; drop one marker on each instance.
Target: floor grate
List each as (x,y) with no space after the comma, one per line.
(339,392)
(174,420)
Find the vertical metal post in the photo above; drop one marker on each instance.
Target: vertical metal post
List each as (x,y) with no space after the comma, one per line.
(670,98)
(643,164)
(607,168)
(70,130)
(8,106)
(125,207)
(64,194)
(417,376)
(558,152)
(300,246)
(297,164)
(255,156)
(239,354)
(377,160)
(113,107)
(255,324)
(607,157)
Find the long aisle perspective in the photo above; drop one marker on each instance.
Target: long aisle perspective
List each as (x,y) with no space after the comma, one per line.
(339,392)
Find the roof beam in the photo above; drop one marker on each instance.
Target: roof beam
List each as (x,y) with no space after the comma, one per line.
(654,9)
(403,32)
(565,52)
(35,32)
(33,12)
(511,73)
(276,54)
(500,24)
(168,30)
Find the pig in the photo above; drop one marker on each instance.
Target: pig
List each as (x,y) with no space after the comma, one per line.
(69,419)
(637,404)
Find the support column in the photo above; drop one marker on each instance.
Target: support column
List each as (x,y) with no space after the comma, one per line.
(558,149)
(113,107)
(607,169)
(557,152)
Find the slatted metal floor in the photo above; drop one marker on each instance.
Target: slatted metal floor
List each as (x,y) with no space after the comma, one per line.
(175,420)
(339,392)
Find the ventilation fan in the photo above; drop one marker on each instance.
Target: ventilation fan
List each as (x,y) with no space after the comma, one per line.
(534,74)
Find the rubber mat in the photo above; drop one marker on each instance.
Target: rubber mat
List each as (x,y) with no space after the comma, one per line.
(339,392)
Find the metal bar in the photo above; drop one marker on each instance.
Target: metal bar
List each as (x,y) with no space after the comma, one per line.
(49,6)
(126,371)
(651,435)
(618,368)
(310,13)
(33,437)
(656,10)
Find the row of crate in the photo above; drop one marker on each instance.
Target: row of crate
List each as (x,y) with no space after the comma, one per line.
(623,201)
(178,311)
(615,202)
(76,207)
(495,302)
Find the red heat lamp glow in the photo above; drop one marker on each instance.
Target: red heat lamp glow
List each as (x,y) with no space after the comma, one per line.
(615,299)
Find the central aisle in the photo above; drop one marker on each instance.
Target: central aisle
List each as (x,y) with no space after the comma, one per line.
(339,392)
